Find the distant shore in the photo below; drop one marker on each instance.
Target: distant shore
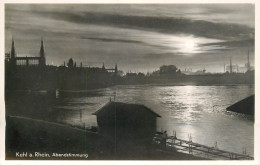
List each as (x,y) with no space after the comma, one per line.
(77,78)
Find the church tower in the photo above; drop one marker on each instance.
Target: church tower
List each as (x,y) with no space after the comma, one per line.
(13,50)
(13,54)
(103,67)
(42,61)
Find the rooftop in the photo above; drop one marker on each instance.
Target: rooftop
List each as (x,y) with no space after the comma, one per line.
(124,108)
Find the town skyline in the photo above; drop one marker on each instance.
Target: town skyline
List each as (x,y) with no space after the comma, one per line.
(139,40)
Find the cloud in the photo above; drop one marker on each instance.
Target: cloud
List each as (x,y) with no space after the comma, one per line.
(158,56)
(170,56)
(136,36)
(112,40)
(229,13)
(234,44)
(159,24)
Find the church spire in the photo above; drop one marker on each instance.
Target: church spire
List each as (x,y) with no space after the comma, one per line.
(12,50)
(42,61)
(42,49)
(103,66)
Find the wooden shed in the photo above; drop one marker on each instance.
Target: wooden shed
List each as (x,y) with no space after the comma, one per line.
(126,122)
(245,106)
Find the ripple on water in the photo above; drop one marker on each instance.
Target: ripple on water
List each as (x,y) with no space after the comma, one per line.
(199,110)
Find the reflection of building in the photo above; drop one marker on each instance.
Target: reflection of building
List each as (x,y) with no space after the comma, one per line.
(26,61)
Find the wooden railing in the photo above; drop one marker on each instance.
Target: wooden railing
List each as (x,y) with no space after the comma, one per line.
(174,143)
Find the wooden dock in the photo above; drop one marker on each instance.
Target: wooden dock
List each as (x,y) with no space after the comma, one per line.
(187,146)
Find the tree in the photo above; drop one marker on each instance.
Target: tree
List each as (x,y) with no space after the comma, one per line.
(140,74)
(70,63)
(168,69)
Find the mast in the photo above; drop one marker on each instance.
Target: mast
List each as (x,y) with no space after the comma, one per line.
(116,69)
(230,65)
(248,63)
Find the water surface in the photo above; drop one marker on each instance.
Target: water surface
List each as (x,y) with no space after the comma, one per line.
(196,110)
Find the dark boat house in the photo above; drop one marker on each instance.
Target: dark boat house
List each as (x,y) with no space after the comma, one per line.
(124,122)
(245,106)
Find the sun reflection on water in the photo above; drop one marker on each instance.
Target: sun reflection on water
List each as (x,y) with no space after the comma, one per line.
(184,109)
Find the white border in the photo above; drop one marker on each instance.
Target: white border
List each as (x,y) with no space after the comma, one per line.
(257,89)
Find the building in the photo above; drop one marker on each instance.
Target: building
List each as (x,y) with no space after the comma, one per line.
(187,71)
(26,61)
(245,106)
(127,122)
(238,68)
(111,70)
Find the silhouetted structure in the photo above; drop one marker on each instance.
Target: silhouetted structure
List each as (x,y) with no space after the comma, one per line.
(116,69)
(32,73)
(231,65)
(27,61)
(70,63)
(248,62)
(82,77)
(127,122)
(103,66)
(245,106)
(168,69)
(29,72)
(111,70)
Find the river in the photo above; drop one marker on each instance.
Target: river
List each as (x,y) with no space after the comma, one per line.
(196,110)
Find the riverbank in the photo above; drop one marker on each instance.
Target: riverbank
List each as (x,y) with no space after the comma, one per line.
(41,140)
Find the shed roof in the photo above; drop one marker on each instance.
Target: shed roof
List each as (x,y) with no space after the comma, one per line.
(125,108)
(246,106)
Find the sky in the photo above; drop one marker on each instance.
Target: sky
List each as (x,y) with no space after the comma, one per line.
(136,37)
